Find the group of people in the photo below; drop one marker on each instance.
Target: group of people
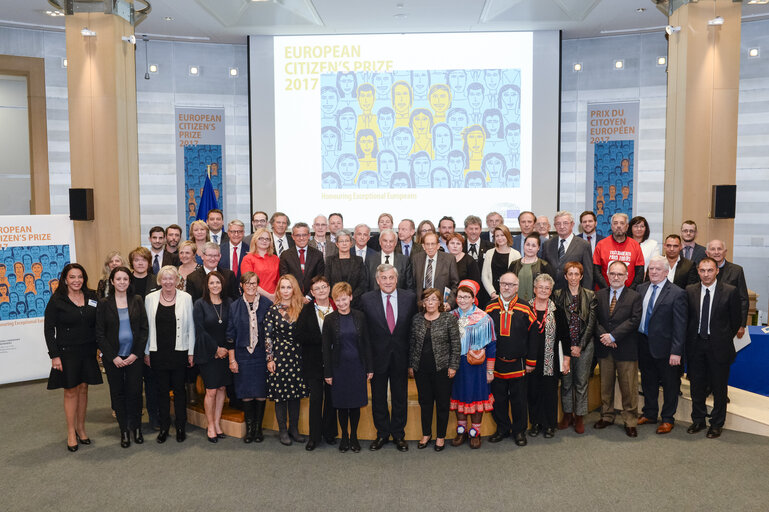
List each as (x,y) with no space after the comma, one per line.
(326,313)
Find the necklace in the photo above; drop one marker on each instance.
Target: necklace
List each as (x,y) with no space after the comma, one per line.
(218,312)
(163,296)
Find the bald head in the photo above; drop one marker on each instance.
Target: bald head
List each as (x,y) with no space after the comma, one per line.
(716,249)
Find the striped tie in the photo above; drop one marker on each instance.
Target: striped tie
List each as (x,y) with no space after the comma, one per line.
(613,302)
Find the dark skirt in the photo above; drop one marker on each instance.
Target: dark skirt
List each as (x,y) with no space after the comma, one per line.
(348,390)
(78,365)
(251,379)
(215,373)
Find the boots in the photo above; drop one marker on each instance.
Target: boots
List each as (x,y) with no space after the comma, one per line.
(258,418)
(566,421)
(579,424)
(293,421)
(249,413)
(280,416)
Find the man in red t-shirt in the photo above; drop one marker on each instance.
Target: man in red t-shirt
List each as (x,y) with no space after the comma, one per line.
(618,247)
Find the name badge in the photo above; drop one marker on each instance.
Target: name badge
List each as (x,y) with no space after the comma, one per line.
(92,303)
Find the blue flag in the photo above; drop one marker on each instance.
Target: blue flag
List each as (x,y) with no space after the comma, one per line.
(207,200)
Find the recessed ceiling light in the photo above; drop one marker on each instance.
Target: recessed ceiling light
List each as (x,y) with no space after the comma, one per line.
(233,72)
(661,61)
(153,68)
(578,66)
(754,52)
(400,16)
(758,2)
(64,62)
(168,18)
(54,13)
(640,10)
(619,64)
(194,70)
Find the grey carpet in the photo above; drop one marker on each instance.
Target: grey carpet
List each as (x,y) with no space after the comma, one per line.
(601,470)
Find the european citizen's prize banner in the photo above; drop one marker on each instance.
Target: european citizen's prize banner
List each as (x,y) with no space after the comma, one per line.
(33,251)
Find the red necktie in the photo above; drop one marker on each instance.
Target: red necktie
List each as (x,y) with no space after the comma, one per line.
(301,258)
(390,315)
(235,260)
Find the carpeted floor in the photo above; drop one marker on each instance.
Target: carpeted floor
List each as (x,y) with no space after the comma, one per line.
(600,470)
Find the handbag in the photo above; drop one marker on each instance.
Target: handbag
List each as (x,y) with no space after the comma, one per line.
(476,357)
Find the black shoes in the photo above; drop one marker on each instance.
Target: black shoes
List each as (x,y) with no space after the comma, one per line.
(696,427)
(310,446)
(520,439)
(72,448)
(439,448)
(180,435)
(535,430)
(296,436)
(214,439)
(344,445)
(162,436)
(714,432)
(331,440)
(402,445)
(138,436)
(422,446)
(377,444)
(549,433)
(84,440)
(125,439)
(498,436)
(354,445)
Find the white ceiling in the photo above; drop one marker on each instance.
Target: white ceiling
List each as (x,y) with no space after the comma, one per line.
(230,21)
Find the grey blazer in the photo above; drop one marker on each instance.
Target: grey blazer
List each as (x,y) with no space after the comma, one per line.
(444,333)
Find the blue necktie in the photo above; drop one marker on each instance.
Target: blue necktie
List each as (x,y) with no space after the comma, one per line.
(649,309)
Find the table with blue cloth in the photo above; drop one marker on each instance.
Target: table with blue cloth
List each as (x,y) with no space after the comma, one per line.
(749,371)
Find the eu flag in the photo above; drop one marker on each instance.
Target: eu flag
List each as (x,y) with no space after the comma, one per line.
(207,200)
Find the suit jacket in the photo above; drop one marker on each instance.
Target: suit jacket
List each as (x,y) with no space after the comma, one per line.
(108,326)
(686,273)
(697,254)
(725,321)
(196,282)
(226,260)
(415,248)
(482,245)
(579,250)
(446,275)
(309,337)
(373,242)
(170,258)
(356,277)
(518,242)
(667,323)
(384,344)
(223,237)
(332,348)
(331,249)
(596,238)
(622,324)
(313,266)
(732,274)
(290,239)
(401,263)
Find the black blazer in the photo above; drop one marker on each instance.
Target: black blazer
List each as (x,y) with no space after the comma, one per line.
(482,245)
(725,321)
(226,259)
(108,326)
(313,266)
(686,273)
(579,250)
(467,268)
(415,248)
(587,308)
(373,242)
(667,324)
(357,277)
(732,274)
(204,315)
(66,324)
(332,349)
(196,282)
(446,275)
(697,254)
(311,342)
(623,324)
(444,333)
(170,258)
(385,345)
(401,263)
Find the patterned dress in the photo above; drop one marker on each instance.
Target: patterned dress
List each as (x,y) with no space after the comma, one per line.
(287,383)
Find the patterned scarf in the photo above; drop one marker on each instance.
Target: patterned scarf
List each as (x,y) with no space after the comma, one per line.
(574,320)
(253,338)
(476,329)
(548,327)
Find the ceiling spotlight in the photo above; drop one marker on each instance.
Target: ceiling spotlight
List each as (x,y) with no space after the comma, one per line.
(619,64)
(754,52)
(661,61)
(670,29)
(641,10)
(153,68)
(194,70)
(168,18)
(578,67)
(758,2)
(233,72)
(129,39)
(716,22)
(54,14)
(87,32)
(64,62)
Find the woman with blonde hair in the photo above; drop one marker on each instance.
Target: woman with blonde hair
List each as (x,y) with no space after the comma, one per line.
(113,260)
(200,234)
(262,261)
(187,264)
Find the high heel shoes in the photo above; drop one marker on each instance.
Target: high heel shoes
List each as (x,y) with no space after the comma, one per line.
(84,440)
(72,448)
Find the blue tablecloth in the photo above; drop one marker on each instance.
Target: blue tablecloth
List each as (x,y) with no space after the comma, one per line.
(750,370)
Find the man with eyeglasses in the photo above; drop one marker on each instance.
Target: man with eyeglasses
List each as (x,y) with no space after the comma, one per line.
(690,249)
(320,239)
(516,356)
(567,247)
(302,261)
(258,221)
(234,249)
(196,281)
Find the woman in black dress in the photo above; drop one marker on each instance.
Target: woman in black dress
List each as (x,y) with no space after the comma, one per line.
(346,266)
(433,362)
(121,332)
(247,359)
(284,360)
(309,327)
(70,333)
(211,314)
(347,363)
(467,267)
(170,349)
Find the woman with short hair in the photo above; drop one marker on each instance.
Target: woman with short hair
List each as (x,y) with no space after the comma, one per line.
(346,266)
(497,261)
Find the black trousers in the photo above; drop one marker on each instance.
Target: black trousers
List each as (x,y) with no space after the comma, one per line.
(542,393)
(705,371)
(322,417)
(510,398)
(150,394)
(397,378)
(654,371)
(167,380)
(125,391)
(434,389)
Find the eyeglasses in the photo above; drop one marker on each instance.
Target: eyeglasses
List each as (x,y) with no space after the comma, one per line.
(251,284)
(508,285)
(235,231)
(617,274)
(301,235)
(264,238)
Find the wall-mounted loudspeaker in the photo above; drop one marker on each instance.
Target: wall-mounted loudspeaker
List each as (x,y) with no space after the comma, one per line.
(81,203)
(724,201)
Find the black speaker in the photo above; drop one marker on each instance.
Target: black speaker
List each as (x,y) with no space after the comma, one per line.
(81,203)
(724,201)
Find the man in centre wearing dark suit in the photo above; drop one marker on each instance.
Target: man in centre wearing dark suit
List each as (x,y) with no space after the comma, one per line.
(588,222)
(389,311)
(682,272)
(302,261)
(436,269)
(566,247)
(196,281)
(661,343)
(714,319)
(234,249)
(387,243)
(526,222)
(619,315)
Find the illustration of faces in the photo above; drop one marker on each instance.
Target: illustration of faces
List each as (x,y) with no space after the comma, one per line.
(491,78)
(440,98)
(347,166)
(612,193)
(214,169)
(475,139)
(625,191)
(439,178)
(420,168)
(386,120)
(382,84)
(346,84)
(513,178)
(457,80)
(442,139)
(403,140)
(330,180)
(456,163)
(475,95)
(191,210)
(53,284)
(457,120)
(5,311)
(421,121)
(400,180)
(366,144)
(420,81)
(366,98)
(401,98)
(29,283)
(625,165)
(346,122)
(387,164)
(510,99)
(492,122)
(18,269)
(331,139)
(513,137)
(329,100)
(368,179)
(599,207)
(475,179)
(4,293)
(494,166)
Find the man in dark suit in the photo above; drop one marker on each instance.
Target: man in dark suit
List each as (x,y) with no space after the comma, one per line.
(714,319)
(682,272)
(402,264)
(619,315)
(361,236)
(661,343)
(731,273)
(385,221)
(567,247)
(493,219)
(215,222)
(406,244)
(475,245)
(301,261)
(234,249)
(173,239)
(691,249)
(196,281)
(160,257)
(526,222)
(435,269)
(389,311)
(279,222)
(258,221)
(588,221)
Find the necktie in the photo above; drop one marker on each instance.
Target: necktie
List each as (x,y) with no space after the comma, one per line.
(613,302)
(322,247)
(390,313)
(235,260)
(301,258)
(704,315)
(429,274)
(406,250)
(280,246)
(473,252)
(688,253)
(649,309)
(561,250)
(216,238)
(156,265)
(387,259)
(360,252)
(590,240)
